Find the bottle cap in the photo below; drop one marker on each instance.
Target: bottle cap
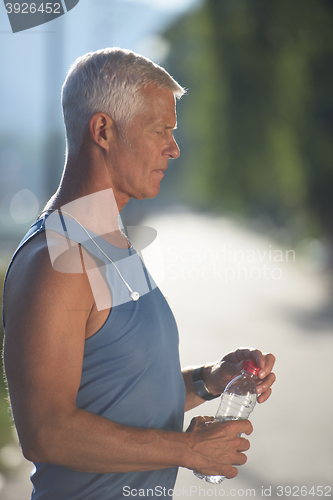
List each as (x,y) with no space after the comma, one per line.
(251,367)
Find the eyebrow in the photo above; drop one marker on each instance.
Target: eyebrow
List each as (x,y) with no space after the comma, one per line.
(166,127)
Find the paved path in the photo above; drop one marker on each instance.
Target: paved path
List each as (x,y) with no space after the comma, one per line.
(229,287)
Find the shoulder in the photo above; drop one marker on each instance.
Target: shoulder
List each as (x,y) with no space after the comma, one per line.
(43,274)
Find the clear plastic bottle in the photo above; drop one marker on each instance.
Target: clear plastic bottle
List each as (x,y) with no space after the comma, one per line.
(237,402)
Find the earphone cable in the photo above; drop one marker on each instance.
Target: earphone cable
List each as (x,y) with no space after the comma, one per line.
(134,295)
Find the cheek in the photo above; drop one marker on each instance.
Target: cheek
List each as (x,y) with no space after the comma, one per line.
(146,154)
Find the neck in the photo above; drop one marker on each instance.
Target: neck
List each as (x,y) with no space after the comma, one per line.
(86,192)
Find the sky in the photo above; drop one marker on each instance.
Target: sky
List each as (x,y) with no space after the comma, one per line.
(168,5)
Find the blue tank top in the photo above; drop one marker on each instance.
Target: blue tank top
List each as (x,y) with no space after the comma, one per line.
(131,374)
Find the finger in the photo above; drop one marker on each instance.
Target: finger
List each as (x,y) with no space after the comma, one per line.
(199,419)
(264,361)
(249,428)
(209,418)
(210,422)
(191,426)
(239,427)
(264,388)
(267,367)
(238,458)
(195,422)
(242,354)
(199,422)
(227,471)
(264,396)
(257,356)
(230,472)
(265,384)
(244,445)
(241,459)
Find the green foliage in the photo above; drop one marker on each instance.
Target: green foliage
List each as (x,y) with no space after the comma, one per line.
(258,116)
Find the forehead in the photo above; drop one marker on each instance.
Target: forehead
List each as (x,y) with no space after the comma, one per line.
(160,106)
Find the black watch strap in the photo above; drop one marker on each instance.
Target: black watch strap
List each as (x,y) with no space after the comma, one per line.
(200,386)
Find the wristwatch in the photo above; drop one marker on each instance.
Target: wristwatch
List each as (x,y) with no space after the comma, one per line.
(200,386)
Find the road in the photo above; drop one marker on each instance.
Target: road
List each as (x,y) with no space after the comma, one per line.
(230,287)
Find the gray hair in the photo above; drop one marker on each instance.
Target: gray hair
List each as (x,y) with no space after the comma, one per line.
(108,81)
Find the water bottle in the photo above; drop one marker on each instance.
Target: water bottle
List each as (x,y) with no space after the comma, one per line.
(237,402)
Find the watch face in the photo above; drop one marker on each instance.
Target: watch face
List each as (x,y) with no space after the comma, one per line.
(199,385)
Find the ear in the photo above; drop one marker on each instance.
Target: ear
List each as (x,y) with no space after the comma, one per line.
(101,129)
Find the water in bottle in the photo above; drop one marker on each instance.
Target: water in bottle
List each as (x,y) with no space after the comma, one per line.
(237,402)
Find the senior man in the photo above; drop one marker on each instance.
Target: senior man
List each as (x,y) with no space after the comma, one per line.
(91,345)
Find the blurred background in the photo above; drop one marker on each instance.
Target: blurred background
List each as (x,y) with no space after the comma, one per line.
(244,216)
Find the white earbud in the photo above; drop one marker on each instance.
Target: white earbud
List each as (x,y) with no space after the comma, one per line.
(135,296)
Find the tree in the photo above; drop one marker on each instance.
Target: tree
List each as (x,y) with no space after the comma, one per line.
(258,117)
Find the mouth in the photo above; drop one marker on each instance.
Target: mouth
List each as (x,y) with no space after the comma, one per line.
(160,170)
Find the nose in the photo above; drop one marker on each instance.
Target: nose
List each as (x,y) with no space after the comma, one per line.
(172,150)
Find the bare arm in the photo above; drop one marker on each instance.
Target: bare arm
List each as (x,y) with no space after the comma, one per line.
(46,314)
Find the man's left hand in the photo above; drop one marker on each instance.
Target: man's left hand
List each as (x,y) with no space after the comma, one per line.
(217,376)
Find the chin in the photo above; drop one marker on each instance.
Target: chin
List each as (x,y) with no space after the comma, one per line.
(152,193)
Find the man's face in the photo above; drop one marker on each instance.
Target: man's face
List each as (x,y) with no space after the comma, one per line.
(138,165)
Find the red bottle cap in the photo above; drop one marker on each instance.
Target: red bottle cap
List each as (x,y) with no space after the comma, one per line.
(251,367)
